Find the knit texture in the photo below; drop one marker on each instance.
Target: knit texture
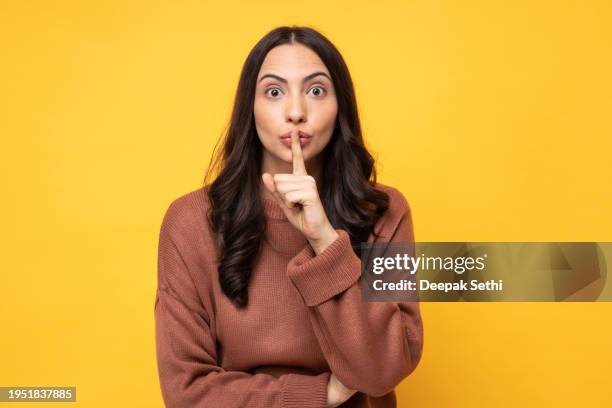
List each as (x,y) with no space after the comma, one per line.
(305,318)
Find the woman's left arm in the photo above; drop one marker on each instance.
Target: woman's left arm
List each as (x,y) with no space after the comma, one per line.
(369,346)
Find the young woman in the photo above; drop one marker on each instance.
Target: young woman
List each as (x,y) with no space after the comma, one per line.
(258,301)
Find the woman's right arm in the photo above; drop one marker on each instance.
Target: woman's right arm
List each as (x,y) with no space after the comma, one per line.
(186,355)
(190,377)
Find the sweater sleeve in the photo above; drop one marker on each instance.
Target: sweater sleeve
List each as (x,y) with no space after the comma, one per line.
(189,374)
(369,346)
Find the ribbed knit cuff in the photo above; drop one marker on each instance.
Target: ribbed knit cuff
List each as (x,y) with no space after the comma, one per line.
(321,277)
(306,391)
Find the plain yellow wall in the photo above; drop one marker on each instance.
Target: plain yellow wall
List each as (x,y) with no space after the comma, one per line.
(493,119)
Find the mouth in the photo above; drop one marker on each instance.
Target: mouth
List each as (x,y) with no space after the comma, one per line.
(304,138)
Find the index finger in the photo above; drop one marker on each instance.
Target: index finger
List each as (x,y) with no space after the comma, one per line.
(299,167)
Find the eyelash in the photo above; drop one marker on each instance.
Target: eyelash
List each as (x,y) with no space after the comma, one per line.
(316,86)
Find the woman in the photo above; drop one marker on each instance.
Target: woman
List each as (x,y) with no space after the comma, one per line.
(258,301)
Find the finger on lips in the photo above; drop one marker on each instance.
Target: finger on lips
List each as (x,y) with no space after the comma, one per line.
(299,167)
(280,185)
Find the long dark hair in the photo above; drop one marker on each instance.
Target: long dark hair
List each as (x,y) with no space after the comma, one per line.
(348,175)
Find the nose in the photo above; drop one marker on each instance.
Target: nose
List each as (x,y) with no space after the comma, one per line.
(296,110)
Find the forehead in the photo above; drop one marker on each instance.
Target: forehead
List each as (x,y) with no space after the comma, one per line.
(291,60)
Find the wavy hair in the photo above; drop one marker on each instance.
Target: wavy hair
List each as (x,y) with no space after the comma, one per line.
(348,175)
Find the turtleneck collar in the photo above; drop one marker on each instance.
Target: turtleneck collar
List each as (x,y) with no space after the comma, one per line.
(272,209)
(282,237)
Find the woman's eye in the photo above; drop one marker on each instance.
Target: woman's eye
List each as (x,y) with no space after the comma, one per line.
(319,90)
(273,92)
(315,90)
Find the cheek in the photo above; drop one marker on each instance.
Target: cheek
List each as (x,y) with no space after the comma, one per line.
(325,116)
(264,119)
(324,121)
(331,115)
(259,112)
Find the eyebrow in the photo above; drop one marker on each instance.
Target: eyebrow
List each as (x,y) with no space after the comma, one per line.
(306,78)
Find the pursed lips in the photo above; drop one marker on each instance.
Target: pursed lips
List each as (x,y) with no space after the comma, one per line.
(301,134)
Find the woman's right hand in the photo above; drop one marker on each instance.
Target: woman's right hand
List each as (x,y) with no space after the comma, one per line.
(337,393)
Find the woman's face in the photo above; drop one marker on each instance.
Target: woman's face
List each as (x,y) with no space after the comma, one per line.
(294,89)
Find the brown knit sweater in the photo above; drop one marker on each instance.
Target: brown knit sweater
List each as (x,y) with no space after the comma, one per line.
(305,318)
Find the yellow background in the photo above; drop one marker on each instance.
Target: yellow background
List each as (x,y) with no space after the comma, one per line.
(493,119)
